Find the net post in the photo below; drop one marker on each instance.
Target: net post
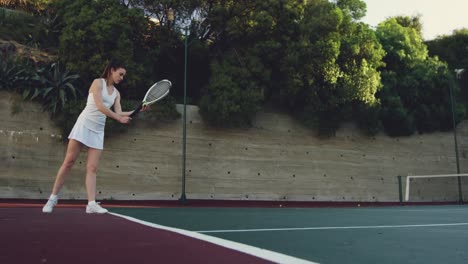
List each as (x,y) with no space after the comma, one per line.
(407,188)
(400,191)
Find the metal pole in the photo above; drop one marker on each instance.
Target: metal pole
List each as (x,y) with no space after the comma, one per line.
(407,187)
(183,197)
(460,195)
(400,192)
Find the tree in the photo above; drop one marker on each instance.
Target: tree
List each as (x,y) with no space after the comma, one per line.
(339,65)
(453,49)
(163,41)
(232,98)
(355,9)
(95,31)
(238,78)
(311,58)
(403,45)
(416,87)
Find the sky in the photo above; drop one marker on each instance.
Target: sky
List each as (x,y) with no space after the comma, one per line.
(439,17)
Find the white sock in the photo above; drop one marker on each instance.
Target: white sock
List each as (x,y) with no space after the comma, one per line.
(91,202)
(53,197)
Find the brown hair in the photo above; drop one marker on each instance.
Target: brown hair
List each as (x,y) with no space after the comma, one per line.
(113,64)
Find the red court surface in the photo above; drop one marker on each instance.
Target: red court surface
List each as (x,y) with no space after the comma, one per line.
(69,235)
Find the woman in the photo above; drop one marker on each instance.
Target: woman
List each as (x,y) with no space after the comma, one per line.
(89,131)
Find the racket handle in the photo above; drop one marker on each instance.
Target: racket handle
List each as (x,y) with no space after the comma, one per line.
(137,110)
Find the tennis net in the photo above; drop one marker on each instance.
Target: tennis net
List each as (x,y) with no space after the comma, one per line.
(435,188)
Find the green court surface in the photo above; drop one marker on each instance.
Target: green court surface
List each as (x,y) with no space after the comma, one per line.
(400,234)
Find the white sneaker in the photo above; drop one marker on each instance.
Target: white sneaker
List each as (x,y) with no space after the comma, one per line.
(95,208)
(49,206)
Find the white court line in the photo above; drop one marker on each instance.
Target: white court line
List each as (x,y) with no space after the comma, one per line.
(250,250)
(326,228)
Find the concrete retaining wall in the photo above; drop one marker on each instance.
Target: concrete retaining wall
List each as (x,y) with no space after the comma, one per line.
(276,159)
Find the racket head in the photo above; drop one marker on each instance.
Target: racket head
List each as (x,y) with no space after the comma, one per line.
(156,92)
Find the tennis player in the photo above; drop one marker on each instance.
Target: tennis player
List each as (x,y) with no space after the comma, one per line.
(88,131)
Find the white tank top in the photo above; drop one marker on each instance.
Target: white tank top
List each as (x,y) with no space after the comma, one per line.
(91,117)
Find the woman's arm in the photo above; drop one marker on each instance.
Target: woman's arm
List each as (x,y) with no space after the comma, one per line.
(118,106)
(96,90)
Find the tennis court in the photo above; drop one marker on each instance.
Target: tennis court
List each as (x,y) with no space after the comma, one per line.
(194,234)
(404,234)
(279,132)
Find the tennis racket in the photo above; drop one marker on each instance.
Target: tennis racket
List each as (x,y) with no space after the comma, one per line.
(155,93)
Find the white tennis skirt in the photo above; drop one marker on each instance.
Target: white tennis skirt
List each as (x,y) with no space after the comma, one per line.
(86,136)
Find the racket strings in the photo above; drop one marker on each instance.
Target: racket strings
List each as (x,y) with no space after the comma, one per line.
(157,92)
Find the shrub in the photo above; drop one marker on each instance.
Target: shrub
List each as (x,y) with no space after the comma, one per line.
(57,88)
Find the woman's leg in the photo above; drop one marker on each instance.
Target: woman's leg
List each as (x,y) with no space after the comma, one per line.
(73,150)
(91,170)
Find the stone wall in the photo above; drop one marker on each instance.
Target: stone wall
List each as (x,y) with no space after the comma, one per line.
(276,159)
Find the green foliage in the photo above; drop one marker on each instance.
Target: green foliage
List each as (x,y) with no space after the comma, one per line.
(13,73)
(413,23)
(395,117)
(360,56)
(416,94)
(51,84)
(30,6)
(403,45)
(89,33)
(368,118)
(232,98)
(356,9)
(337,68)
(34,30)
(49,30)
(96,31)
(17,25)
(57,87)
(453,49)
(312,58)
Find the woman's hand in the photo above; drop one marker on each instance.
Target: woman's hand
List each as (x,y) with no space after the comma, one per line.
(124,119)
(145,108)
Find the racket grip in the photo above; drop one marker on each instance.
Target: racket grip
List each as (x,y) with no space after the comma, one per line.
(137,110)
